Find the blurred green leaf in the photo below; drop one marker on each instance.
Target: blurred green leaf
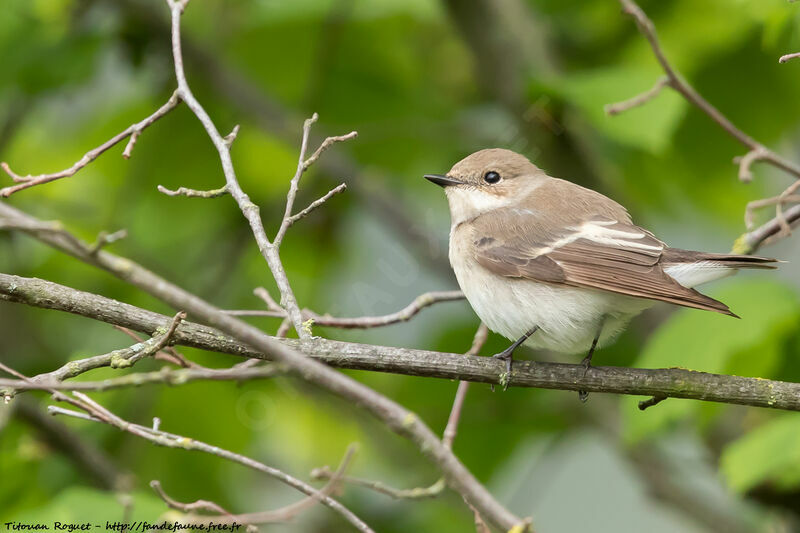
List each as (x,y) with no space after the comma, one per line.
(711,342)
(410,80)
(82,504)
(763,454)
(649,128)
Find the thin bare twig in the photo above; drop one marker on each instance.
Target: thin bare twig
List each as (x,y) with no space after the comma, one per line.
(316,203)
(788,196)
(283,514)
(746,161)
(417,493)
(168,353)
(450,430)
(251,211)
(781,224)
(676,82)
(302,165)
(165,376)
(636,101)
(778,227)
(104,239)
(250,100)
(255,312)
(264,294)
(133,131)
(123,358)
(420,302)
(288,512)
(655,400)
(229,138)
(33,226)
(194,193)
(95,412)
(327,143)
(198,505)
(295,181)
(431,491)
(768,232)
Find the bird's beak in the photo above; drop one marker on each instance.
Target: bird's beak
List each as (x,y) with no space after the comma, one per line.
(442,180)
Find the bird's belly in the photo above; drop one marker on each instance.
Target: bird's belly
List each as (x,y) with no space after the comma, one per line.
(568,317)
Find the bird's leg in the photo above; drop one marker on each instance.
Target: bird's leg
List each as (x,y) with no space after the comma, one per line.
(587,361)
(507,355)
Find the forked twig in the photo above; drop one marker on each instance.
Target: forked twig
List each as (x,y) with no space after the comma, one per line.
(133,131)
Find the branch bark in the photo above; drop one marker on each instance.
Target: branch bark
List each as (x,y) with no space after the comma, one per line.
(666,382)
(778,226)
(97,413)
(248,99)
(398,419)
(676,82)
(764,234)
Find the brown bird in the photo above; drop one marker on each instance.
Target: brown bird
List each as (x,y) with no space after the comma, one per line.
(536,254)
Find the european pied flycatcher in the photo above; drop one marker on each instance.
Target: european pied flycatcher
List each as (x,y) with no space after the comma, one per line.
(554,265)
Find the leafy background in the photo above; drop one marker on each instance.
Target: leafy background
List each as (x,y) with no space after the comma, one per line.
(424,83)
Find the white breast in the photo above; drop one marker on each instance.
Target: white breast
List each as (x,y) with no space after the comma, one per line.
(568,317)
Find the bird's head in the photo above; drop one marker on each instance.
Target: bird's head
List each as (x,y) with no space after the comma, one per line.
(486,180)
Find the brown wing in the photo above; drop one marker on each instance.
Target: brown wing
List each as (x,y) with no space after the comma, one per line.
(598,253)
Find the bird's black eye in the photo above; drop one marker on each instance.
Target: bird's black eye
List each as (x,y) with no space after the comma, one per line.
(491,177)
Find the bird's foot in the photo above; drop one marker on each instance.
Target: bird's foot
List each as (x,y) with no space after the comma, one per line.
(506,355)
(587,364)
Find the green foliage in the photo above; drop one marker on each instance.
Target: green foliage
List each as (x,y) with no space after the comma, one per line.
(77,505)
(76,72)
(649,128)
(715,343)
(768,453)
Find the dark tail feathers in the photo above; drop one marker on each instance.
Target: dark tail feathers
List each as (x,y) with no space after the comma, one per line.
(676,255)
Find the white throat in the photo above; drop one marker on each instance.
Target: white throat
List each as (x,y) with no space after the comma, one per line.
(467,203)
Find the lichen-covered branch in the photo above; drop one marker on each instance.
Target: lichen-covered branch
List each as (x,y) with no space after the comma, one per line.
(667,382)
(394,416)
(164,376)
(123,358)
(768,232)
